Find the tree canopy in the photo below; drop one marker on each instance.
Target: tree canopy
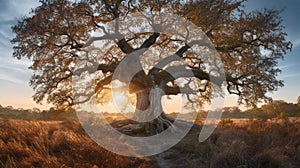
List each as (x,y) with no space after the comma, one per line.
(249,45)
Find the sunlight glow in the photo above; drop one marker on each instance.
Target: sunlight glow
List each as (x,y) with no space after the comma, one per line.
(120,98)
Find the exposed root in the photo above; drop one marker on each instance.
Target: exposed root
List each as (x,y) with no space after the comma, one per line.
(122,123)
(132,129)
(158,125)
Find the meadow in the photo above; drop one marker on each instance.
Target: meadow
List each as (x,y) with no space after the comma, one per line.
(254,143)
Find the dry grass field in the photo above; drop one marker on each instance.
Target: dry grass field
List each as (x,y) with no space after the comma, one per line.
(55,144)
(255,144)
(65,144)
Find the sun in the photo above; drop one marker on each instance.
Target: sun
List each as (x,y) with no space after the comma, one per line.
(121,102)
(119,97)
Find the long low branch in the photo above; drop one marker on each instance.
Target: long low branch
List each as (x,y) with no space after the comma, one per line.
(150,41)
(108,68)
(103,82)
(104,37)
(179,54)
(175,90)
(175,72)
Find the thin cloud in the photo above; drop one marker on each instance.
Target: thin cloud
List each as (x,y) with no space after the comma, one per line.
(10,10)
(292,75)
(4,41)
(11,69)
(296,42)
(11,79)
(286,66)
(14,70)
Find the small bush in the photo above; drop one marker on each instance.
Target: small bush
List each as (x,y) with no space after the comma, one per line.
(225,122)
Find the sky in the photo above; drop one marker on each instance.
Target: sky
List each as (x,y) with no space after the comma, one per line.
(15,75)
(290,66)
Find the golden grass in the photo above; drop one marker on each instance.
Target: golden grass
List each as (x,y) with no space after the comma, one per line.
(251,145)
(64,144)
(55,144)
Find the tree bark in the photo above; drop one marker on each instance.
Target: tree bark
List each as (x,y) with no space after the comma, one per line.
(151,105)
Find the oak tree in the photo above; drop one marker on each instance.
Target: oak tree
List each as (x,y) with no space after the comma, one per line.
(57,33)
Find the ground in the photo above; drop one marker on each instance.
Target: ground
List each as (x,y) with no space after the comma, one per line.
(64,144)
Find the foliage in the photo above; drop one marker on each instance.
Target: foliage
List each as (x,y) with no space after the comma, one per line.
(234,112)
(225,122)
(33,114)
(249,45)
(276,109)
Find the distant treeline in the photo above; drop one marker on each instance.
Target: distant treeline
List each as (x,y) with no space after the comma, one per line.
(276,109)
(35,114)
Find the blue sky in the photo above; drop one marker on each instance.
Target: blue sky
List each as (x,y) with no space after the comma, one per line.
(14,74)
(291,64)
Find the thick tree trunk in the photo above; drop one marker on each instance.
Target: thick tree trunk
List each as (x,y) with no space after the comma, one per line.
(150,103)
(143,101)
